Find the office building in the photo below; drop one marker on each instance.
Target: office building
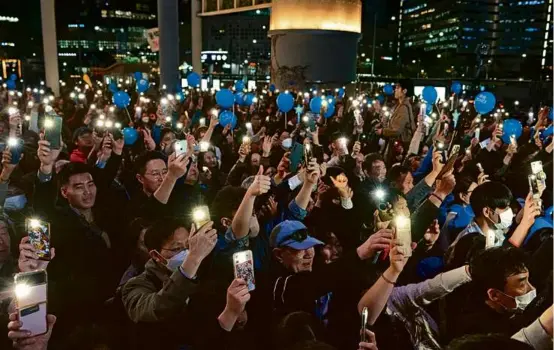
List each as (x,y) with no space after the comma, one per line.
(469,38)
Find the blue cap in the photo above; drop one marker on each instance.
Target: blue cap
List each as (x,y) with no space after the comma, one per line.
(292,234)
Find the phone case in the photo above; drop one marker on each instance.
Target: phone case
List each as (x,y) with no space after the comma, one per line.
(39,237)
(180,147)
(201,221)
(363,336)
(244,268)
(404,235)
(32,307)
(53,134)
(16,152)
(490,239)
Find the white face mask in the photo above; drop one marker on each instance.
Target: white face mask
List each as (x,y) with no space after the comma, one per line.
(506,219)
(522,301)
(177,260)
(287,143)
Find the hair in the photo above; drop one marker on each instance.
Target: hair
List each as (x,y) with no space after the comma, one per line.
(165,131)
(487,342)
(226,202)
(491,267)
(142,160)
(73,168)
(408,85)
(133,232)
(462,185)
(296,328)
(490,194)
(370,159)
(397,172)
(161,231)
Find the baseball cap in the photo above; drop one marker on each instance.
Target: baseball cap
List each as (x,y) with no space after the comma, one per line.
(81,131)
(292,234)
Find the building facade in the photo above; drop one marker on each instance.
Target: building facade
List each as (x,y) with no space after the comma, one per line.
(476,38)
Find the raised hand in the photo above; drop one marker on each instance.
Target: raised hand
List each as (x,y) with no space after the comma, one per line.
(46,155)
(437,162)
(397,258)
(149,142)
(432,234)
(371,343)
(202,242)
(7,166)
(530,211)
(378,241)
(177,166)
(266,146)
(23,339)
(261,184)
(313,172)
(237,296)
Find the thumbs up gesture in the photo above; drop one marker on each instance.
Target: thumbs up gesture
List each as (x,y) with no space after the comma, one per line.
(261,184)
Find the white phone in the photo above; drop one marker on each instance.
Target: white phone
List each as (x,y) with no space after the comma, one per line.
(31,290)
(477,133)
(490,239)
(181,147)
(244,268)
(536,167)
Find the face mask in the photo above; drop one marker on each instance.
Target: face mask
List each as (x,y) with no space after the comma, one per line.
(15,203)
(287,143)
(177,260)
(522,301)
(506,219)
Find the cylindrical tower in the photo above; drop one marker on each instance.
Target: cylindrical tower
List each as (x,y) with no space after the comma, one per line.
(314,41)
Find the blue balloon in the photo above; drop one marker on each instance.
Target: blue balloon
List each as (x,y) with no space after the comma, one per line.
(341,92)
(227,117)
(428,109)
(193,79)
(272,87)
(113,87)
(224,98)
(511,127)
(485,102)
(456,87)
(239,98)
(130,135)
(381,99)
(121,99)
(142,85)
(330,111)
(10,84)
(138,75)
(429,94)
(248,99)
(548,131)
(285,102)
(315,105)
(13,77)
(388,89)
(239,85)
(330,99)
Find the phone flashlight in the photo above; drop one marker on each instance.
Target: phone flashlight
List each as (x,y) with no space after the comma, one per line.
(204,146)
(100,123)
(468,151)
(170,97)
(164,101)
(12,110)
(249,126)
(81,96)
(200,216)
(138,109)
(48,123)
(168,119)
(12,142)
(179,125)
(379,194)
(440,146)
(30,104)
(205,169)
(27,117)
(445,104)
(34,223)
(214,112)
(22,290)
(111,109)
(477,120)
(305,119)
(401,221)
(118,125)
(109,124)
(202,121)
(246,139)
(101,116)
(72,95)
(93,106)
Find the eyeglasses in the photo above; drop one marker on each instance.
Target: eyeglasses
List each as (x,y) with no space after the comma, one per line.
(157,173)
(297,236)
(174,250)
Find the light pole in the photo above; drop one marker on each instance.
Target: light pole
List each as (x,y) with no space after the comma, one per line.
(50,45)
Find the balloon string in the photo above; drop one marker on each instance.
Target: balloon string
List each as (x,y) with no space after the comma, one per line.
(128,116)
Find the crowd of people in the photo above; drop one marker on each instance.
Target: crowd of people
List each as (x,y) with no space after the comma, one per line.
(371,229)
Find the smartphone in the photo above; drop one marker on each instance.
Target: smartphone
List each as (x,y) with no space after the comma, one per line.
(403,233)
(117,134)
(513,140)
(365,315)
(451,161)
(534,188)
(30,292)
(180,147)
(484,143)
(490,239)
(53,131)
(16,148)
(39,236)
(244,268)
(480,167)
(536,167)
(201,216)
(477,133)
(308,153)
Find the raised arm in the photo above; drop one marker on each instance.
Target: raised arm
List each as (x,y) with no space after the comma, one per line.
(530,212)
(303,197)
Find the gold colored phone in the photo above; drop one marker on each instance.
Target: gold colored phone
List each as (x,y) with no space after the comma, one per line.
(365,315)
(403,233)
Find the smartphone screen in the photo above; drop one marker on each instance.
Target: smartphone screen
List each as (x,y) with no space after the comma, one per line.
(534,188)
(53,131)
(536,167)
(201,216)
(244,268)
(30,291)
(403,233)
(483,144)
(180,147)
(39,236)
